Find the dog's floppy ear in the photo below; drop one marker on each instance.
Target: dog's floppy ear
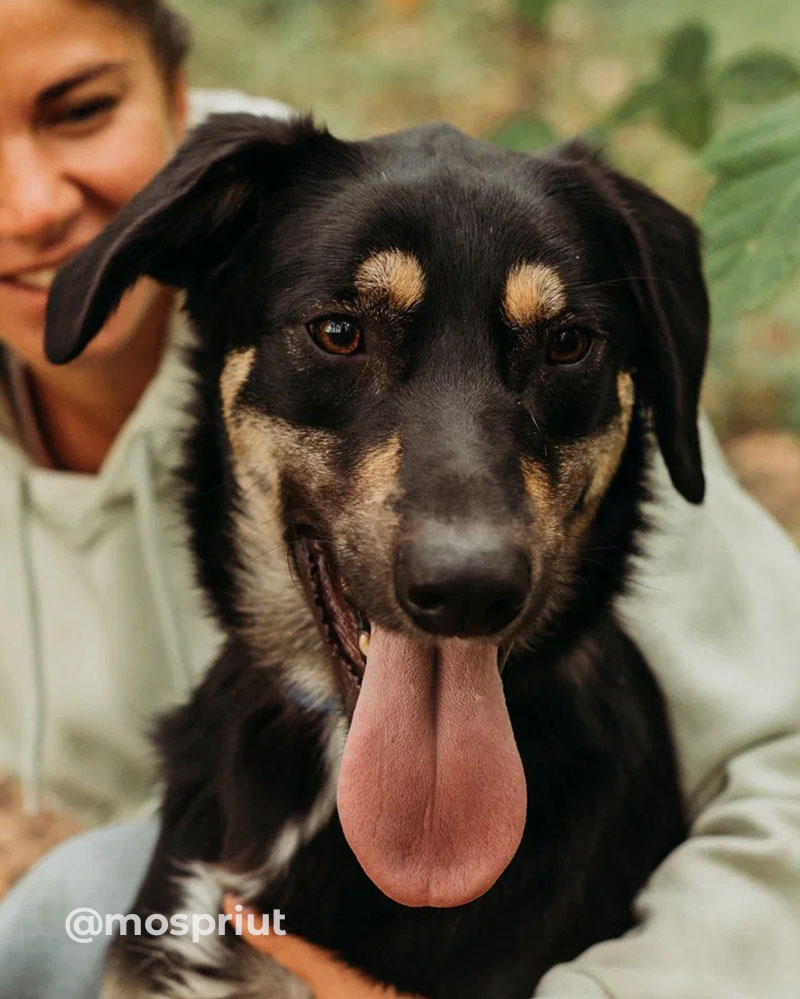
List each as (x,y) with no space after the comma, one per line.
(658,250)
(178,227)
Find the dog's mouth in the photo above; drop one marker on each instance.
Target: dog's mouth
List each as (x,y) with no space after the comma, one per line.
(344,628)
(431,790)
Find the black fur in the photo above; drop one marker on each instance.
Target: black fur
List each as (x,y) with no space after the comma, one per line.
(260,222)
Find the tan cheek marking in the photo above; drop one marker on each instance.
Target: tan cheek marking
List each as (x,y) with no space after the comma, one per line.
(258,443)
(248,441)
(395,275)
(626,393)
(533,293)
(611,443)
(598,457)
(537,485)
(367,523)
(235,371)
(265,449)
(308,455)
(377,476)
(364,511)
(543,500)
(266,446)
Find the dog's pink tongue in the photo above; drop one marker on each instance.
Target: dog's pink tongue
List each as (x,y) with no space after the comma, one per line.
(432,795)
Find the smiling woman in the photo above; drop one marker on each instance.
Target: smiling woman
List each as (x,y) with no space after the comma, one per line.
(92,108)
(100,623)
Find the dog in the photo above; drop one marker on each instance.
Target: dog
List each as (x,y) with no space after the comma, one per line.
(431,377)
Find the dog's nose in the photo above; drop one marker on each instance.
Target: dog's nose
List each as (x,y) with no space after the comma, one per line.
(466,580)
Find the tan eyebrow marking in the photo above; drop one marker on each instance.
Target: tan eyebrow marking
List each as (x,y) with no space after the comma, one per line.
(533,292)
(394,274)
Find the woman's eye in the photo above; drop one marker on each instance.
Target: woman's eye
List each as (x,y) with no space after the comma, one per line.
(85,112)
(568,346)
(336,334)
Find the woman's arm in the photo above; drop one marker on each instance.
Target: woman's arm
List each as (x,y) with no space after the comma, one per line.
(716,609)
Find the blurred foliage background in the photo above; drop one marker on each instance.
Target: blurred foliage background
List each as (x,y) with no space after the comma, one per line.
(701,101)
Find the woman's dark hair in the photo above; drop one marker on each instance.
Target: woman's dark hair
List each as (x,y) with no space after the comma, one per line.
(168,31)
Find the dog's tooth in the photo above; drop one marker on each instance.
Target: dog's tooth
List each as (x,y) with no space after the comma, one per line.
(363,642)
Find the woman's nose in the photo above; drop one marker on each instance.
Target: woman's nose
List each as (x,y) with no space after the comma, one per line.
(38,202)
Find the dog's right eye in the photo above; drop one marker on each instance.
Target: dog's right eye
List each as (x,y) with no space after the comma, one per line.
(336,334)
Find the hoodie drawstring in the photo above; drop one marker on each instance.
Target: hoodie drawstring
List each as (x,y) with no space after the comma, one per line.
(173,635)
(35,722)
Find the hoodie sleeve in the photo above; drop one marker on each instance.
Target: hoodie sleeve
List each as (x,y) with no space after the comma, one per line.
(715,607)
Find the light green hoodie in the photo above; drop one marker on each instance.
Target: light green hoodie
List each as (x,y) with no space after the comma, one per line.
(100,623)
(100,626)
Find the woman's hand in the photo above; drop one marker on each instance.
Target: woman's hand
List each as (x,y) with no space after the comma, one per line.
(327,977)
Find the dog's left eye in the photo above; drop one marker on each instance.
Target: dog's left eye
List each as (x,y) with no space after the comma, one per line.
(336,334)
(568,346)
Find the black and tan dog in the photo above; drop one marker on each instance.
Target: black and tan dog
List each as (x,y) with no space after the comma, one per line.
(430,374)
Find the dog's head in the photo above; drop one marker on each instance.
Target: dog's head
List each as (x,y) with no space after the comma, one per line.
(424,362)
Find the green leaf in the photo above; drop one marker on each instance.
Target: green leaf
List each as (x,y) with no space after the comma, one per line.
(737,209)
(534,11)
(686,52)
(680,95)
(718,263)
(757,77)
(760,140)
(768,261)
(523,133)
(687,113)
(751,217)
(644,97)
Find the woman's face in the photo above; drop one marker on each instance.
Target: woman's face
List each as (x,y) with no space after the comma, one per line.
(85,122)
